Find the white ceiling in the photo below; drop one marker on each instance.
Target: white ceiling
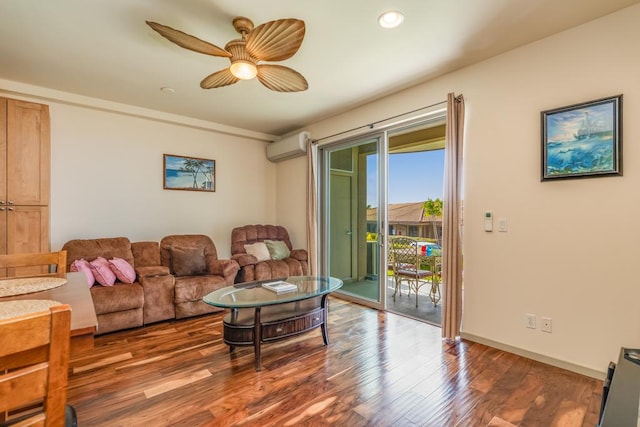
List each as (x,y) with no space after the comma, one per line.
(103,49)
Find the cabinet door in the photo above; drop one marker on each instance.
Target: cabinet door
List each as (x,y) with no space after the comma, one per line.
(3,230)
(27,229)
(3,154)
(27,232)
(27,153)
(3,240)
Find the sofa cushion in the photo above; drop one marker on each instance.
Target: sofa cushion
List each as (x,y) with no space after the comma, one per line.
(120,297)
(102,272)
(277,249)
(258,250)
(82,265)
(271,269)
(188,261)
(122,269)
(187,241)
(193,288)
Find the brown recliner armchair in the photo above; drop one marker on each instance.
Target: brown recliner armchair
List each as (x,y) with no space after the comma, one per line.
(254,267)
(193,260)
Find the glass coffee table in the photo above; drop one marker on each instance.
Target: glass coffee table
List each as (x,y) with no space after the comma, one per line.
(259,315)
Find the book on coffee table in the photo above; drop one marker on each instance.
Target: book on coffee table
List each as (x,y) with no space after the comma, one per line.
(280,286)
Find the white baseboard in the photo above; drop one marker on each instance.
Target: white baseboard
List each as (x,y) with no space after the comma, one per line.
(537,357)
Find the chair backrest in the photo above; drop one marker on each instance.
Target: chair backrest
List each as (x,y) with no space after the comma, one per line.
(404,253)
(33,265)
(248,234)
(34,360)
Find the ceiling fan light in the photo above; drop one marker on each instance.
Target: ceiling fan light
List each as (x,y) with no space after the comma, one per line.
(390,19)
(244,70)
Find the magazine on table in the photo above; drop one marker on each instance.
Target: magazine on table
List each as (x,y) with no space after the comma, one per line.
(280,286)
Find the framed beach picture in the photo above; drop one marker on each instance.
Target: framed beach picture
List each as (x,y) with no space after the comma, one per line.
(188,173)
(583,140)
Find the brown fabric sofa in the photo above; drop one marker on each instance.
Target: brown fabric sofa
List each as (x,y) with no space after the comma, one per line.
(251,269)
(153,296)
(193,261)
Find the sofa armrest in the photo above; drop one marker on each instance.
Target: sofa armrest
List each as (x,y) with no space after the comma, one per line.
(299,254)
(225,267)
(159,290)
(244,259)
(152,271)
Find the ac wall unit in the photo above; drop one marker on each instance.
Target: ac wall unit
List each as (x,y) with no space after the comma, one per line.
(289,147)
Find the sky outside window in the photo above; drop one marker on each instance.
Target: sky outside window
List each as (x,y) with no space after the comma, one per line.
(413,177)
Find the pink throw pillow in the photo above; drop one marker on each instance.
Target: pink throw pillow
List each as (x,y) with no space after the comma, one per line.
(123,270)
(102,272)
(82,265)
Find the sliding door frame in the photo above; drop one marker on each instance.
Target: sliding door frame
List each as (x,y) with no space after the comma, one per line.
(432,118)
(324,153)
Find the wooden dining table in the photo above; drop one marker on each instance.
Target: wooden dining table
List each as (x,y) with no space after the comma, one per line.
(76,294)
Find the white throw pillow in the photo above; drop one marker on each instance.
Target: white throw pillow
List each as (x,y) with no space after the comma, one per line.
(258,250)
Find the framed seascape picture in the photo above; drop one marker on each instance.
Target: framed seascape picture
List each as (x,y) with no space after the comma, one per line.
(583,140)
(188,173)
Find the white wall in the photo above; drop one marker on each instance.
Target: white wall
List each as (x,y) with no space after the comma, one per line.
(572,245)
(107,179)
(291,199)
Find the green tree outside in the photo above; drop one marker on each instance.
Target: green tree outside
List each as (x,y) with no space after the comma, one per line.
(433,209)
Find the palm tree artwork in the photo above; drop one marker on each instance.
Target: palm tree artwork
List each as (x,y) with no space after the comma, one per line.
(188,173)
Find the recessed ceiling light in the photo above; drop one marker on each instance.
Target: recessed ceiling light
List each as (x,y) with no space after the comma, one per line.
(390,19)
(166,89)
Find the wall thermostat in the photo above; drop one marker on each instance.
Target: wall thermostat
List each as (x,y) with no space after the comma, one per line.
(488,221)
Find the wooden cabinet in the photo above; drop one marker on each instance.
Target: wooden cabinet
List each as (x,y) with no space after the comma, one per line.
(26,155)
(27,229)
(24,176)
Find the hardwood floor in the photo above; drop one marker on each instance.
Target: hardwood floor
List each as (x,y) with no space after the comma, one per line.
(380,369)
(404,303)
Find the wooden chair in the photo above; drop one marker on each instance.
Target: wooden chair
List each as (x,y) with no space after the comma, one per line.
(34,360)
(33,265)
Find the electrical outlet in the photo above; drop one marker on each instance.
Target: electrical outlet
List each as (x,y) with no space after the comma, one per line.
(545,325)
(530,321)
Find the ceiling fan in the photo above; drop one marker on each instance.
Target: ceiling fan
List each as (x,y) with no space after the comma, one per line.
(272,41)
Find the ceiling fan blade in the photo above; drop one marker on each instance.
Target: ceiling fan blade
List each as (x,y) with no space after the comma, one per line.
(218,79)
(281,79)
(187,41)
(276,40)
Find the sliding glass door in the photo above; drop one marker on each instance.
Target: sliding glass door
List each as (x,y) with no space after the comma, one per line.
(372,188)
(352,239)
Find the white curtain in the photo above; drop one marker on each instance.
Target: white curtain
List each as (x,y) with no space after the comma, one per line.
(312,208)
(452,219)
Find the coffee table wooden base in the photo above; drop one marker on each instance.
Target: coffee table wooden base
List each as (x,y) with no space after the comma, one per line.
(254,326)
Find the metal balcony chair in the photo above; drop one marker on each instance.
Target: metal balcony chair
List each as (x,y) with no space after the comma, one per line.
(408,262)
